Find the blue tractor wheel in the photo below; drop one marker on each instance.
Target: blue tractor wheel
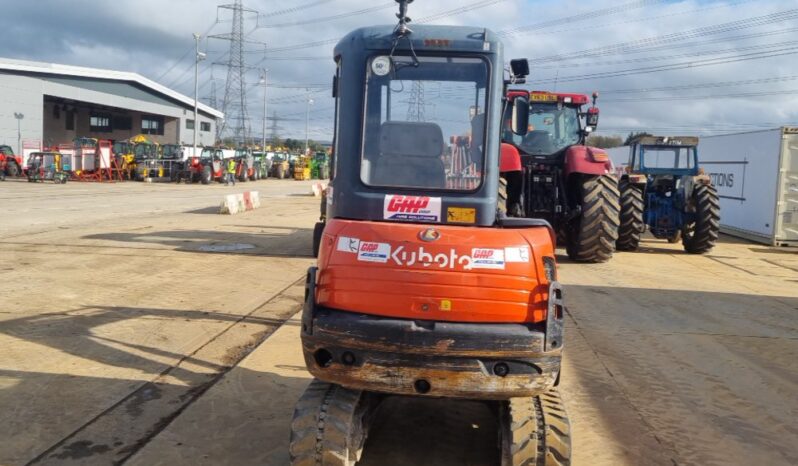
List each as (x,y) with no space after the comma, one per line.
(699,237)
(632,223)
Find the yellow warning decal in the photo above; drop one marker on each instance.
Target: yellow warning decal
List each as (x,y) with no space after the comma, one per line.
(446,305)
(461,215)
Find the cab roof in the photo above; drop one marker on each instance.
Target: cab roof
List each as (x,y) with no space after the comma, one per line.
(667,141)
(544,96)
(424,37)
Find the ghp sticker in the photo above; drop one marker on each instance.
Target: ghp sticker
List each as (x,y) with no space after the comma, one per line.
(487,258)
(373,252)
(412,208)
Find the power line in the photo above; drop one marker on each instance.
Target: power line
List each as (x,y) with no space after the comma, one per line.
(673,37)
(578,17)
(674,66)
(730,95)
(190,49)
(443,14)
(667,57)
(294,9)
(322,19)
(700,85)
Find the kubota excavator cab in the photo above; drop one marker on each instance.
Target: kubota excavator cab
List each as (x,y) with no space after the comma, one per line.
(421,287)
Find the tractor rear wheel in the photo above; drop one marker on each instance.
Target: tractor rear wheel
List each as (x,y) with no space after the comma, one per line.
(205,177)
(700,237)
(591,236)
(632,224)
(535,431)
(243,176)
(329,427)
(280,173)
(13,169)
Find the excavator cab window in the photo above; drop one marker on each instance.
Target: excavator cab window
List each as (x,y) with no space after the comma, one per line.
(416,117)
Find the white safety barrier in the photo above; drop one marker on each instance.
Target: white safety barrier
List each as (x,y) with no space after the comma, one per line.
(318,188)
(237,203)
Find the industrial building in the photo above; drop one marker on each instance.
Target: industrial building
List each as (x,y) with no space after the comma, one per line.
(51,104)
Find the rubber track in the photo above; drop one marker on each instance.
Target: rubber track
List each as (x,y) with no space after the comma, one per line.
(325,421)
(597,228)
(707,223)
(538,432)
(632,224)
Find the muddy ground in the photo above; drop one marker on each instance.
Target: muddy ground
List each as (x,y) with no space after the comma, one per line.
(138,326)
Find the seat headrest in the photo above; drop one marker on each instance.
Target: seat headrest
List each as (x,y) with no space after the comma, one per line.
(410,139)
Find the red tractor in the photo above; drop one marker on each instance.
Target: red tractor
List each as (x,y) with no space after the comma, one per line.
(550,173)
(209,166)
(10,164)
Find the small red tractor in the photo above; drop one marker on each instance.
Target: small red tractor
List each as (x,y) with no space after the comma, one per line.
(550,173)
(10,163)
(245,165)
(209,166)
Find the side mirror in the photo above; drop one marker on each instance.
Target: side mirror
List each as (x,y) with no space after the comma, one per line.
(519,67)
(592,117)
(520,123)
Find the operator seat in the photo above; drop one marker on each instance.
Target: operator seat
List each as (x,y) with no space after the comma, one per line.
(410,155)
(540,140)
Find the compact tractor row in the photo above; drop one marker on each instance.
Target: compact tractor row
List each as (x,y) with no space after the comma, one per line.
(436,273)
(141,158)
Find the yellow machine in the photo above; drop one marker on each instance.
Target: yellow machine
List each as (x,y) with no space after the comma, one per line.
(125,159)
(146,156)
(302,168)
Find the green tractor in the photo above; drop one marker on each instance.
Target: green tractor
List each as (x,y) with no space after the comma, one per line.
(320,166)
(665,191)
(48,166)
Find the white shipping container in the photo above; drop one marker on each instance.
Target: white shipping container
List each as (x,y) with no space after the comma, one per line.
(756,175)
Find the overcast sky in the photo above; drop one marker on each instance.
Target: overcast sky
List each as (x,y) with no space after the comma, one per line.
(725,66)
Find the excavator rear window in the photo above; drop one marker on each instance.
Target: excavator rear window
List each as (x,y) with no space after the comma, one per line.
(425,125)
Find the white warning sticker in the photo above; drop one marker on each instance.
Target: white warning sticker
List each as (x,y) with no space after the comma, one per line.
(516,254)
(346,244)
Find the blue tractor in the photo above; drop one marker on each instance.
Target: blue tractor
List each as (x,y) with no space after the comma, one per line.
(665,191)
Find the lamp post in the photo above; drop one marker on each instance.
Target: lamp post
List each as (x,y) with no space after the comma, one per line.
(264,83)
(19,118)
(307,120)
(198,58)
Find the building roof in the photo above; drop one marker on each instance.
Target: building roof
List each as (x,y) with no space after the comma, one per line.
(10,64)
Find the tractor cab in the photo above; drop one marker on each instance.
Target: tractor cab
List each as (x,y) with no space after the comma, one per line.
(555,124)
(675,156)
(172,152)
(145,151)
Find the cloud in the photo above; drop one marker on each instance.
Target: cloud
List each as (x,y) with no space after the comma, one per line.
(150,37)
